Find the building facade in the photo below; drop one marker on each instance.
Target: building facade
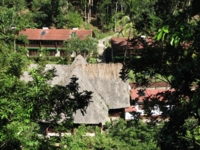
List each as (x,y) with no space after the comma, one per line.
(50,40)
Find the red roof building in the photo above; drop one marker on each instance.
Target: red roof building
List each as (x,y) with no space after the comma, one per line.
(51,39)
(154,92)
(123,47)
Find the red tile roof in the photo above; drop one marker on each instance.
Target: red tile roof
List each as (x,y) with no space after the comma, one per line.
(130,109)
(82,34)
(121,43)
(54,34)
(134,43)
(148,93)
(138,43)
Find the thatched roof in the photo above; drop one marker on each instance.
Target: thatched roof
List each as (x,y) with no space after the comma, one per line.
(109,91)
(105,79)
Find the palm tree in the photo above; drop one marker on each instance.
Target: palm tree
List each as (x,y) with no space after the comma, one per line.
(91,47)
(134,16)
(85,47)
(125,24)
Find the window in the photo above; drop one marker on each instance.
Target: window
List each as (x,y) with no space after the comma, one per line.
(63,53)
(33,52)
(33,42)
(59,42)
(52,52)
(48,42)
(43,32)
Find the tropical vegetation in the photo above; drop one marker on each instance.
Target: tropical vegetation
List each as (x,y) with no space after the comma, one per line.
(174,59)
(174,24)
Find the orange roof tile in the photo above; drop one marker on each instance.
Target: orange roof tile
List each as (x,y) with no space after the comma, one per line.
(54,34)
(134,43)
(84,33)
(122,43)
(148,93)
(130,109)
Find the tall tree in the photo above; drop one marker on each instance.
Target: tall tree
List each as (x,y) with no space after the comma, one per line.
(134,16)
(12,21)
(50,13)
(105,12)
(85,47)
(126,26)
(24,104)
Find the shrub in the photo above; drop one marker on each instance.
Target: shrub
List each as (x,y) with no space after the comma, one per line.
(87,26)
(74,20)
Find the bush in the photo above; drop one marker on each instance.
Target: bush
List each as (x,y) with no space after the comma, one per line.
(137,135)
(87,26)
(74,20)
(100,35)
(117,135)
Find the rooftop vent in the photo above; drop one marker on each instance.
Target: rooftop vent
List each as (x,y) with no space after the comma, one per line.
(74,28)
(143,37)
(45,28)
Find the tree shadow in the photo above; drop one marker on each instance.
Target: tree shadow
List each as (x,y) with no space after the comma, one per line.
(43,102)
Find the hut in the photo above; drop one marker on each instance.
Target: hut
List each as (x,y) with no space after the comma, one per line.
(110,94)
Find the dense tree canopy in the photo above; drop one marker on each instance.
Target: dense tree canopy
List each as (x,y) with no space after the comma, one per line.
(175,59)
(24,104)
(86,47)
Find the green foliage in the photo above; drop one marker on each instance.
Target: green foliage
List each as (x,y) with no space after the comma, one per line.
(93,60)
(74,20)
(80,141)
(24,104)
(104,12)
(118,135)
(100,35)
(131,76)
(87,26)
(140,13)
(20,120)
(49,60)
(174,59)
(49,13)
(138,135)
(12,23)
(193,132)
(86,47)
(182,33)
(126,26)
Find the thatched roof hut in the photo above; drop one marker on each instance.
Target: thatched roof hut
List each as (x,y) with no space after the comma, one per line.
(109,91)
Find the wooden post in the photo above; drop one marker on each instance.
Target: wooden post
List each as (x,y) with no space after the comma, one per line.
(72,130)
(101,127)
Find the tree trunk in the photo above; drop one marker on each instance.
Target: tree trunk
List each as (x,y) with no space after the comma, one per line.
(115,18)
(85,13)
(90,3)
(121,8)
